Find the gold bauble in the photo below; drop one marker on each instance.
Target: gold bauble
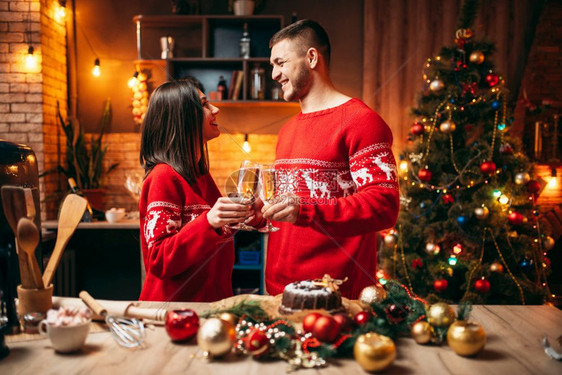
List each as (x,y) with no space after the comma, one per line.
(466,338)
(374,352)
(371,294)
(436,85)
(390,240)
(522,178)
(496,267)
(476,57)
(216,337)
(422,332)
(481,213)
(447,127)
(548,243)
(440,315)
(229,317)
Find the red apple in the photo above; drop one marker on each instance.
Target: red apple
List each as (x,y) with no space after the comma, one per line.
(326,329)
(309,320)
(182,325)
(344,322)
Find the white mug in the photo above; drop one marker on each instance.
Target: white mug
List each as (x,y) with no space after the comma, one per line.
(65,339)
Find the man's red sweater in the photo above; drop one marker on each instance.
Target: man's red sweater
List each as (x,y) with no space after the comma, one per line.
(184,257)
(340,163)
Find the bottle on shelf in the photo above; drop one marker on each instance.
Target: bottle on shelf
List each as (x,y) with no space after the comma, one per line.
(222,91)
(257,84)
(90,212)
(245,43)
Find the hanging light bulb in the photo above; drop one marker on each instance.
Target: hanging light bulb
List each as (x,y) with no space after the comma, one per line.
(552,183)
(246,146)
(96,70)
(133,80)
(31,62)
(60,11)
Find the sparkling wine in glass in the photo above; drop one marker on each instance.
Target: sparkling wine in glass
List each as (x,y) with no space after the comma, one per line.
(268,188)
(246,188)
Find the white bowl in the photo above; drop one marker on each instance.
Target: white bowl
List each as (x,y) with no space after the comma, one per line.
(114,215)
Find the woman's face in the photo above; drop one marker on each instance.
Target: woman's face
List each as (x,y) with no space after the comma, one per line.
(210,112)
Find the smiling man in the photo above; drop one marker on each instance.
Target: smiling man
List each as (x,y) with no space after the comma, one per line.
(337,175)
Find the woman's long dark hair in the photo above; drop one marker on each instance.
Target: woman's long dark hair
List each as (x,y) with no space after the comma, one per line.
(172,130)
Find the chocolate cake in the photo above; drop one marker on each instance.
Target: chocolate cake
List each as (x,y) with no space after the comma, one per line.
(310,294)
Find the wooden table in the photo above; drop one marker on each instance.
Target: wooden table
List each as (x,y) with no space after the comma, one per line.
(513,347)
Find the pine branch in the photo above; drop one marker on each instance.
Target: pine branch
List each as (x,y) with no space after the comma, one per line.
(468,13)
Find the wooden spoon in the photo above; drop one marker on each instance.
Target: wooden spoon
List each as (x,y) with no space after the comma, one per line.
(13,202)
(71,212)
(28,239)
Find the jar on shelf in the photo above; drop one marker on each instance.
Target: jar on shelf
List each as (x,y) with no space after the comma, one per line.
(257,83)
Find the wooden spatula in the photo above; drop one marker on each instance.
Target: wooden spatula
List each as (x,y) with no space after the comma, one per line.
(14,204)
(71,212)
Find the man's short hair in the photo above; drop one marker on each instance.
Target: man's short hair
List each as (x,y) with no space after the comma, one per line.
(309,33)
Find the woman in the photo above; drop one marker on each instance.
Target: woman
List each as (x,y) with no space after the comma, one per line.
(187,248)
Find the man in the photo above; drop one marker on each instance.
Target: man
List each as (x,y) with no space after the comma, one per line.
(337,175)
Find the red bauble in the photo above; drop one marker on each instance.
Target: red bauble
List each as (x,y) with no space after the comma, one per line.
(362,317)
(447,198)
(309,320)
(482,285)
(492,79)
(515,218)
(344,322)
(417,128)
(533,186)
(488,167)
(424,175)
(256,342)
(440,285)
(182,324)
(326,329)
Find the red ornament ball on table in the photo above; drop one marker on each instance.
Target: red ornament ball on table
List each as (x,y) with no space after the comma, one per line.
(256,343)
(326,329)
(482,285)
(488,167)
(344,322)
(362,317)
(515,218)
(440,285)
(424,175)
(182,325)
(309,320)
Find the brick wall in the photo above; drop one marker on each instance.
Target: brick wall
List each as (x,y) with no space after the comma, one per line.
(225,155)
(28,98)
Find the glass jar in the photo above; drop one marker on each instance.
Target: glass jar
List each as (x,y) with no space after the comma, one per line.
(257,83)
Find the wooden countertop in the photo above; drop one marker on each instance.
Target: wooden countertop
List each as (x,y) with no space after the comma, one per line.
(513,347)
(123,224)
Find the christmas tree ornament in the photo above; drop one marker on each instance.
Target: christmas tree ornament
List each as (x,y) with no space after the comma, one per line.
(371,294)
(440,285)
(481,213)
(466,338)
(181,325)
(447,127)
(506,149)
(526,264)
(216,337)
(256,342)
(492,79)
(417,263)
(390,240)
(496,104)
(515,218)
(447,198)
(374,352)
(309,320)
(229,317)
(482,285)
(488,167)
(548,243)
(396,314)
(469,88)
(476,57)
(462,221)
(344,322)
(432,249)
(422,332)
(362,317)
(436,85)
(533,187)
(522,178)
(424,174)
(417,129)
(496,267)
(325,329)
(440,314)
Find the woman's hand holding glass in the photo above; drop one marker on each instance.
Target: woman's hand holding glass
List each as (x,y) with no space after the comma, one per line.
(226,212)
(245,189)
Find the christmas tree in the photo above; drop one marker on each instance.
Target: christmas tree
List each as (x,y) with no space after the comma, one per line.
(468,228)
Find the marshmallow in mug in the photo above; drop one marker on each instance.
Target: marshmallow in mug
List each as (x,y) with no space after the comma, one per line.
(68,316)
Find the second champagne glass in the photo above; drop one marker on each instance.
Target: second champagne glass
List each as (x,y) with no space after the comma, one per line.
(246,188)
(268,188)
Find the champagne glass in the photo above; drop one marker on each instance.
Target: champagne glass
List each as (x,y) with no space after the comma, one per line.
(268,187)
(246,188)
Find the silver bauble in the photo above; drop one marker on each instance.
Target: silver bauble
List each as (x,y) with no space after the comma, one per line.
(432,248)
(447,127)
(390,240)
(522,178)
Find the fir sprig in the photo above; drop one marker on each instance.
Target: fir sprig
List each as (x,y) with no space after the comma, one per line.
(250,309)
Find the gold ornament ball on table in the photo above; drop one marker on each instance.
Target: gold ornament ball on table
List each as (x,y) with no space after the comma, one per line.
(422,332)
(374,352)
(229,317)
(466,338)
(447,127)
(371,294)
(440,315)
(216,337)
(476,57)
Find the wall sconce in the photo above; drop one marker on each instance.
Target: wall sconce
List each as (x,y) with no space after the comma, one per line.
(60,11)
(246,146)
(31,60)
(552,183)
(96,71)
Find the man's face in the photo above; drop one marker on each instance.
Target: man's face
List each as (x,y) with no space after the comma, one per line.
(290,69)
